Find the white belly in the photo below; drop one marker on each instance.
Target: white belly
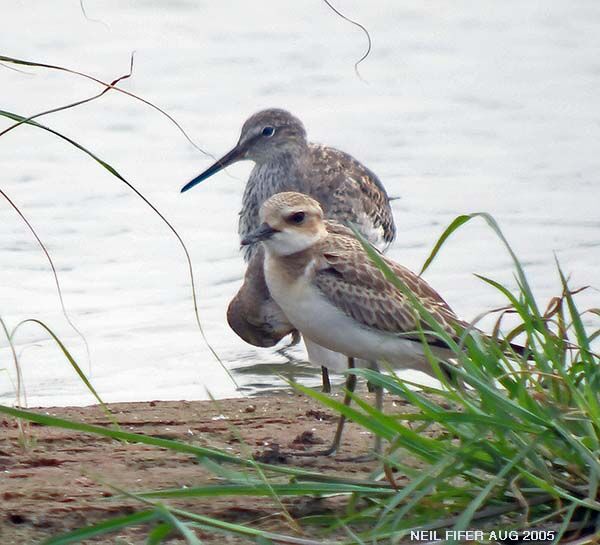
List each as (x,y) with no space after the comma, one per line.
(323,323)
(318,355)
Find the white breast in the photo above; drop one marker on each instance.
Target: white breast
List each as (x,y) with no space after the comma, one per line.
(325,324)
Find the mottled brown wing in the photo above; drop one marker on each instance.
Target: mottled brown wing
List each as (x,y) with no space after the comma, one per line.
(349,279)
(353,193)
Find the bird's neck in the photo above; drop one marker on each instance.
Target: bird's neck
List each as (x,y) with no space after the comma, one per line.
(282,172)
(285,171)
(301,261)
(292,161)
(288,268)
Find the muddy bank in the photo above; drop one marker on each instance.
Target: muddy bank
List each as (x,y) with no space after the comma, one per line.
(55,480)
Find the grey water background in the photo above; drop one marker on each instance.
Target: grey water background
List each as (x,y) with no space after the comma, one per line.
(466,106)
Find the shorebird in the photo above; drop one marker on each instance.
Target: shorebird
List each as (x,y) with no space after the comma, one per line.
(285,161)
(330,290)
(253,314)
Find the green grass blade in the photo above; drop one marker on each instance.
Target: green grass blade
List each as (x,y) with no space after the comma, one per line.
(427,448)
(456,224)
(158,534)
(467,515)
(287,489)
(105,527)
(73,363)
(182,528)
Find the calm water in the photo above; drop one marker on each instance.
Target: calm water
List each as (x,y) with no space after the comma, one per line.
(474,106)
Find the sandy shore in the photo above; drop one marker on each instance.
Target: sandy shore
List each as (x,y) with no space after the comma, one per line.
(59,480)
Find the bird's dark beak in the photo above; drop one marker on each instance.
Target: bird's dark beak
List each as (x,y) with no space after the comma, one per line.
(263,232)
(229,158)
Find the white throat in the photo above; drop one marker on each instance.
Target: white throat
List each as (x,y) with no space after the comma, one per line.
(289,242)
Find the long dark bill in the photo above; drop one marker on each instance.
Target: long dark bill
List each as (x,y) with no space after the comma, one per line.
(231,157)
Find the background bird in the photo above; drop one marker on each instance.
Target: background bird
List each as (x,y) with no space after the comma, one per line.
(285,161)
(262,324)
(332,292)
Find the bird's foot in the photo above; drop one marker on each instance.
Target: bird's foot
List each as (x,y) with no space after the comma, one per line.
(370,456)
(375,454)
(311,453)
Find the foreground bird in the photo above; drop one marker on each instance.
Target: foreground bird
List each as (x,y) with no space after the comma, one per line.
(285,161)
(330,290)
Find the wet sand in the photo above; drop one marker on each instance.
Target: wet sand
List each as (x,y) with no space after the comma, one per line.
(59,480)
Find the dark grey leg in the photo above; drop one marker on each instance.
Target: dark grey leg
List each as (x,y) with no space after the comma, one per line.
(350,385)
(371,387)
(326,384)
(378,445)
(337,438)
(378,442)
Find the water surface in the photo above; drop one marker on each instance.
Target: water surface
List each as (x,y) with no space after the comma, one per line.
(467,107)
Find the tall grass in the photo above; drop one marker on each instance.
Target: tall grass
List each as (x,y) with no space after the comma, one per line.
(513,446)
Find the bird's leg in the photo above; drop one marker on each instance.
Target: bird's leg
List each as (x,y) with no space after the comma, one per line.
(326,383)
(378,442)
(378,445)
(370,386)
(337,438)
(350,385)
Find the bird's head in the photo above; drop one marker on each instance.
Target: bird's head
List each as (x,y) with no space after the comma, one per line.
(265,136)
(291,222)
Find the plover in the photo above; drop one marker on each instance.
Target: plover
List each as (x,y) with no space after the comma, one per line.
(285,161)
(330,290)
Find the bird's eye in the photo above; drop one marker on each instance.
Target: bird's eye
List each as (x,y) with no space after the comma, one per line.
(297,218)
(268,131)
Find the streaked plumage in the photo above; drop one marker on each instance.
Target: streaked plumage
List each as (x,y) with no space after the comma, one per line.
(346,190)
(331,291)
(352,282)
(286,161)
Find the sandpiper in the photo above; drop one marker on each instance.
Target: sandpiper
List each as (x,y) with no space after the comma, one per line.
(285,161)
(253,314)
(331,291)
